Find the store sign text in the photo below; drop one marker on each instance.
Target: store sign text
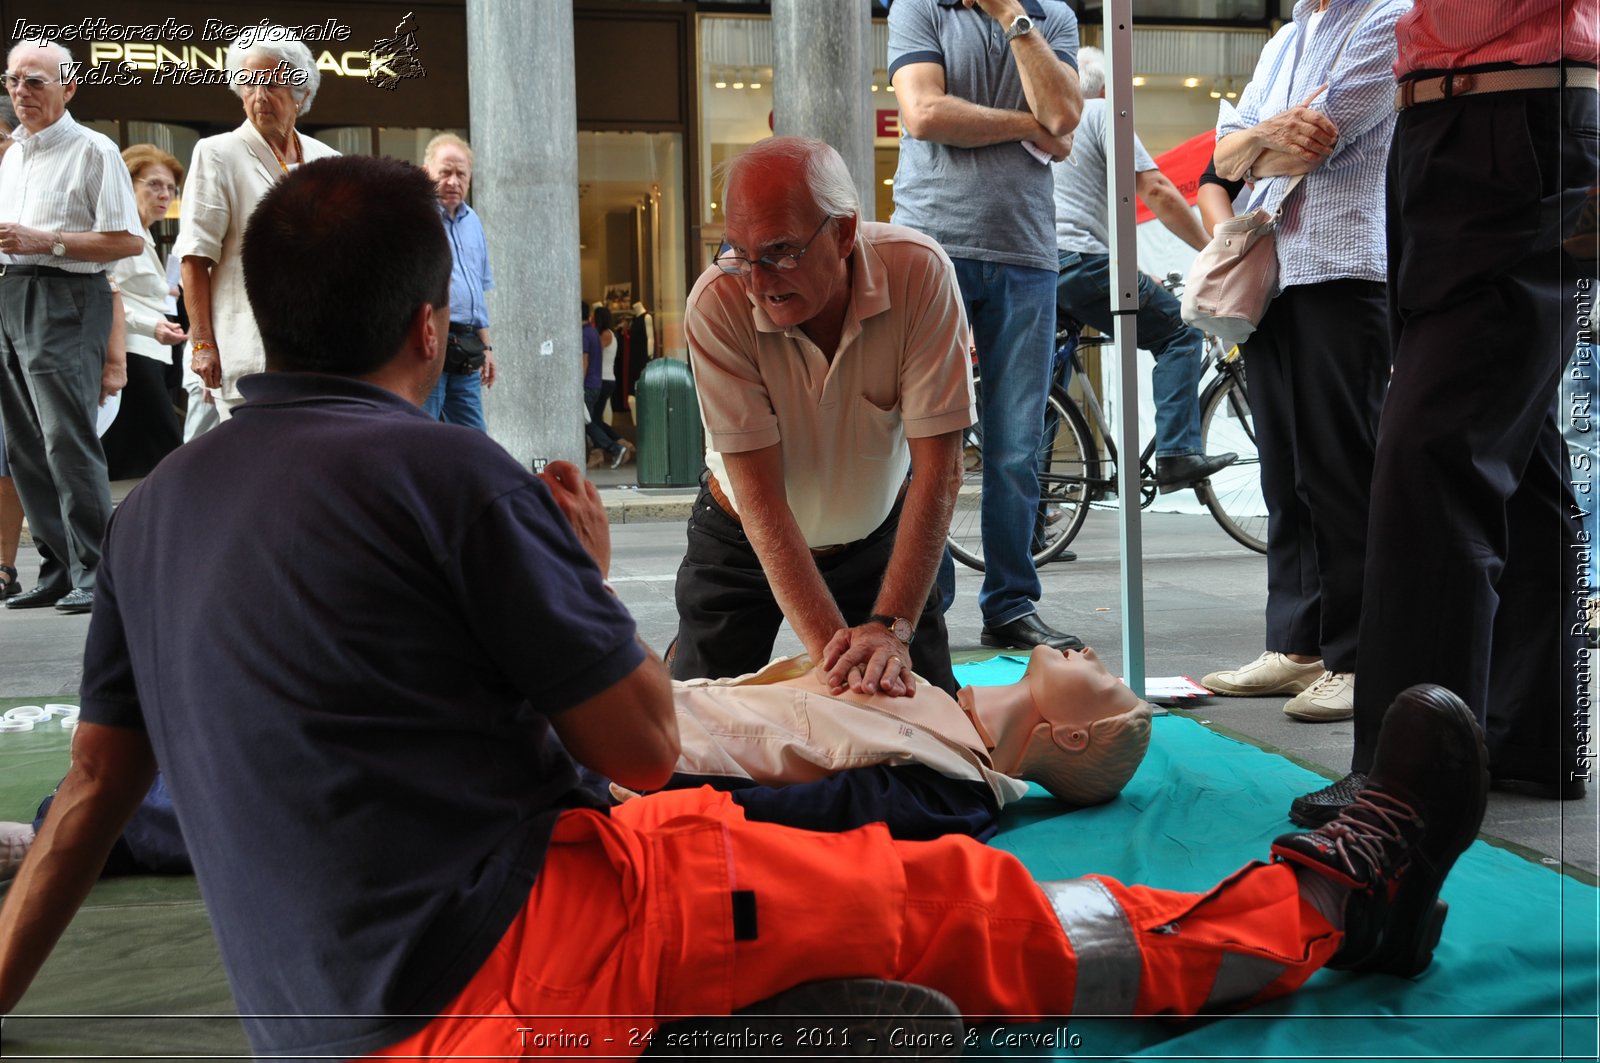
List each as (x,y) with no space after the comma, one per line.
(187,63)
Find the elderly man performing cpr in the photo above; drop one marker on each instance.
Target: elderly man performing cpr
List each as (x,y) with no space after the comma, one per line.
(831,358)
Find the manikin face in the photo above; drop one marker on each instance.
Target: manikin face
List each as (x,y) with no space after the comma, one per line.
(772,213)
(1076,685)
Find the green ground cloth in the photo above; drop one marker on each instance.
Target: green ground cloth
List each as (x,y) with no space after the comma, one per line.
(1515,976)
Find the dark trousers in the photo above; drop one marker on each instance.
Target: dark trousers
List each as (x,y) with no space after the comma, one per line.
(1317,368)
(146,429)
(728,618)
(53,333)
(1471,578)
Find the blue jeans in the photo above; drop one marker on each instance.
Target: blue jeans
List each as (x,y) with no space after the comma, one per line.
(1012,313)
(1083,293)
(457,399)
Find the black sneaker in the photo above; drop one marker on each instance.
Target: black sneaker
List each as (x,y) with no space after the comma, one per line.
(841,1017)
(1394,845)
(1321,806)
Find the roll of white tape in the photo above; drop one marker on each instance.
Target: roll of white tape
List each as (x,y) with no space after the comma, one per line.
(27,713)
(61,709)
(69,723)
(13,726)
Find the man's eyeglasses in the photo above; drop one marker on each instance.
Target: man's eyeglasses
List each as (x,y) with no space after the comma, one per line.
(740,266)
(32,81)
(160,186)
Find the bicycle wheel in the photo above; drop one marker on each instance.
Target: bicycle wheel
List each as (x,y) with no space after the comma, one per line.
(1068,463)
(1233,495)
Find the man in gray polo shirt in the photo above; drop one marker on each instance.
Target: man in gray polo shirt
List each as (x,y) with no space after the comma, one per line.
(66,209)
(1084,289)
(988,96)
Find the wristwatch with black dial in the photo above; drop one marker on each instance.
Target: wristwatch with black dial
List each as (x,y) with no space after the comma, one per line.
(1020,25)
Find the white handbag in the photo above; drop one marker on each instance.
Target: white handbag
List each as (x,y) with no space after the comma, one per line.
(1235,275)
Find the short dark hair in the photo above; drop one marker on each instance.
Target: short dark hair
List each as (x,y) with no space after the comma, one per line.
(585,310)
(602,318)
(337,259)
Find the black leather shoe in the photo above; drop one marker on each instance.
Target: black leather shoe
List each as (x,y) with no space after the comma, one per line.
(38,598)
(1184,471)
(1394,845)
(1319,806)
(1026,632)
(76,601)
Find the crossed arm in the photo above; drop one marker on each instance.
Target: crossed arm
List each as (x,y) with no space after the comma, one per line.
(1050,87)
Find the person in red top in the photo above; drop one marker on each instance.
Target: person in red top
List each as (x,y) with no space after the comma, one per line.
(1472,542)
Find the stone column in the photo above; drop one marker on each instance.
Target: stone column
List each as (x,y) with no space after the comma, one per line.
(822,80)
(522,89)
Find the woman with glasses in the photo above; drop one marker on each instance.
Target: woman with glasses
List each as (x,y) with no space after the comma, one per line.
(276,78)
(146,429)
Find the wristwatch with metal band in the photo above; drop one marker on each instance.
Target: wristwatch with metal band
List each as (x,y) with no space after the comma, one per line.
(1020,25)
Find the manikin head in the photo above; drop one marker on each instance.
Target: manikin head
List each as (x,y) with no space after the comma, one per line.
(1089,732)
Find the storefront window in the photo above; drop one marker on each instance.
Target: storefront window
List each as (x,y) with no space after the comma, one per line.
(630,228)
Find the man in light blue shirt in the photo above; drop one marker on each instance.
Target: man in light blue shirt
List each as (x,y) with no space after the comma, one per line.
(469,359)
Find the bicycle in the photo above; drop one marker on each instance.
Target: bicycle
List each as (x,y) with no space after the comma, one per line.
(1075,474)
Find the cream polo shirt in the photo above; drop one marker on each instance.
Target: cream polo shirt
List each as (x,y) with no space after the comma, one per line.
(902,371)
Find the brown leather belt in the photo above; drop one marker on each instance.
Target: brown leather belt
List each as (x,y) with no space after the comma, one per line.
(716,492)
(1448,86)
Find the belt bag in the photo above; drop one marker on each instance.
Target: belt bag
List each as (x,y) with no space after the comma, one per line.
(1236,275)
(464,353)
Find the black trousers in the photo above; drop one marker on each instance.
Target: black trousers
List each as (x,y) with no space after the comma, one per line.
(728,618)
(146,429)
(1317,368)
(1471,559)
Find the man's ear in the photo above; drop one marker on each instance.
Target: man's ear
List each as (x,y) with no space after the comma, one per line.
(847,234)
(426,332)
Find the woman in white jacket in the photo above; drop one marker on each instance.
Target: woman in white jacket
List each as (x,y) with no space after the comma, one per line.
(146,428)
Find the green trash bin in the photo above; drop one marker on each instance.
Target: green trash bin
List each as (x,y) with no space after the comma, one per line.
(672,448)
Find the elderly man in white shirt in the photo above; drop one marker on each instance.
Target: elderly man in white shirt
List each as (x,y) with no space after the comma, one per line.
(66,209)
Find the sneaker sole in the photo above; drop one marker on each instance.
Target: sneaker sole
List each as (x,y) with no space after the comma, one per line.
(1318,715)
(844,1017)
(1292,686)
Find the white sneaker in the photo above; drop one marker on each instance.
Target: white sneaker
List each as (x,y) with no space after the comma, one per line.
(1271,673)
(1331,697)
(15,838)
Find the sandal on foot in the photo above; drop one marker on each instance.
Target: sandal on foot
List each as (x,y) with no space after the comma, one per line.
(12,584)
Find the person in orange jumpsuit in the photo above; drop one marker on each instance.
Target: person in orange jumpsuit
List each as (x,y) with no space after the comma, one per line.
(340,745)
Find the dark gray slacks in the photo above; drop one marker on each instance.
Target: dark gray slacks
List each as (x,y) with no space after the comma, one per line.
(1471,579)
(53,333)
(1317,369)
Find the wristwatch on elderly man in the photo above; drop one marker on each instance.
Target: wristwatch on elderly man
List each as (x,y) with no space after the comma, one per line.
(898,626)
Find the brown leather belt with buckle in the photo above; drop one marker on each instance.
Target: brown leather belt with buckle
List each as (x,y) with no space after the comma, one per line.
(1448,86)
(716,492)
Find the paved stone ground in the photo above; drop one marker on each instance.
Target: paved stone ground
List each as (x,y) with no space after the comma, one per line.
(1203,596)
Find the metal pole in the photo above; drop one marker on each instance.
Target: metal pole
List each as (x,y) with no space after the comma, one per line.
(1118,47)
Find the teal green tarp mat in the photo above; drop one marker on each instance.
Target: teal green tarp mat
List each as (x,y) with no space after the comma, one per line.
(1515,976)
